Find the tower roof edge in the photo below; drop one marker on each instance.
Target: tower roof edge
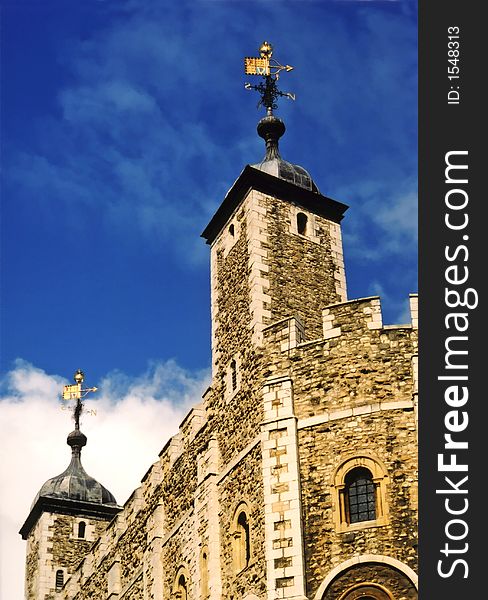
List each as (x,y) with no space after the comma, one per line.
(253,178)
(66,506)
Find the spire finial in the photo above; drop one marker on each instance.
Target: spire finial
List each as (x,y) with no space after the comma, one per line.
(75,391)
(270,127)
(79,377)
(268,68)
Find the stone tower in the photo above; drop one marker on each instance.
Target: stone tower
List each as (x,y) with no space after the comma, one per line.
(68,514)
(330,390)
(275,251)
(276,233)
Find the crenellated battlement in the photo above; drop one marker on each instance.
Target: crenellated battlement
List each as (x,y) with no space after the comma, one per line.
(342,320)
(358,362)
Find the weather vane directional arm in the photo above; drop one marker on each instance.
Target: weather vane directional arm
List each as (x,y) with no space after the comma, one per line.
(268,68)
(77,392)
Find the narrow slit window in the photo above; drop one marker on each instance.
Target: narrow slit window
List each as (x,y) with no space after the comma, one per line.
(243,542)
(59,579)
(302,223)
(233,374)
(231,230)
(81,529)
(182,590)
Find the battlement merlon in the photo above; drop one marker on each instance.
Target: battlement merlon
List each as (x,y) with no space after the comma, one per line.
(347,319)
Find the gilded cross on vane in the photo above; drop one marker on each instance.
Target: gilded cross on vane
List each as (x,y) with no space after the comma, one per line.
(76,392)
(270,69)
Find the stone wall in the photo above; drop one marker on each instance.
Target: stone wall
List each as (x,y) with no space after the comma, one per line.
(236,300)
(68,549)
(54,545)
(262,271)
(322,449)
(357,361)
(243,484)
(306,271)
(32,567)
(165,525)
(353,395)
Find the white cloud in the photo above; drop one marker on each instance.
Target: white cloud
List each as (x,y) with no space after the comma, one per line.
(135,417)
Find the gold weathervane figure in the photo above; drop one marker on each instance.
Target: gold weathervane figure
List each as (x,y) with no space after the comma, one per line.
(76,392)
(268,68)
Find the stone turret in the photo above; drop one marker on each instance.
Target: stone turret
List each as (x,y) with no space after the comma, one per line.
(69,512)
(273,235)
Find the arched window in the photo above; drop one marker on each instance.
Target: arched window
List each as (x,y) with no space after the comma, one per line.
(181,584)
(243,528)
(360,496)
(302,223)
(242,539)
(359,493)
(59,579)
(181,587)
(81,529)
(231,230)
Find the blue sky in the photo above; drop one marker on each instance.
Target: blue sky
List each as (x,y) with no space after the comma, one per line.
(123,125)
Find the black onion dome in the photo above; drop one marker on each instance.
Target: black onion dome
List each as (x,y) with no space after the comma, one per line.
(271,128)
(75,483)
(76,438)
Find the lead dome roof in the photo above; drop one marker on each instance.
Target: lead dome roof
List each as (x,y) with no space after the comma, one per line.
(74,483)
(271,128)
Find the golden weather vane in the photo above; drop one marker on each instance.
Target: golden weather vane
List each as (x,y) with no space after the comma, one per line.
(76,392)
(269,68)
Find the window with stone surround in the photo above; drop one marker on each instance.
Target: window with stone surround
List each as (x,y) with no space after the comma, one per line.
(180,587)
(241,538)
(233,378)
(59,579)
(359,494)
(229,237)
(302,223)
(81,529)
